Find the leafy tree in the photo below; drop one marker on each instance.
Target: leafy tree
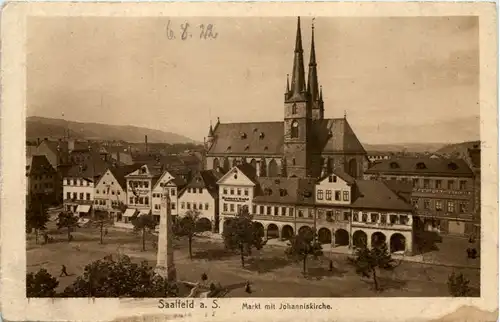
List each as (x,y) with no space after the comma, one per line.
(187,227)
(143,223)
(67,220)
(109,277)
(367,261)
(41,284)
(241,234)
(101,220)
(36,216)
(458,285)
(303,245)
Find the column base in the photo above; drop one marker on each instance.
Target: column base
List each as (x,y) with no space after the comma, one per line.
(169,272)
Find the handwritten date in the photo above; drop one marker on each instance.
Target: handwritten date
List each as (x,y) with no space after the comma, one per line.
(187,31)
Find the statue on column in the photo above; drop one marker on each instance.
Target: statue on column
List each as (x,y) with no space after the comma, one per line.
(165,255)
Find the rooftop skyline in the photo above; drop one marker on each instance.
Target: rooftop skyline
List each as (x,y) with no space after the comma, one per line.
(416,83)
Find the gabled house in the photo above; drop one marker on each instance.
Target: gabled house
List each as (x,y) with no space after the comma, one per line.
(140,185)
(41,180)
(167,184)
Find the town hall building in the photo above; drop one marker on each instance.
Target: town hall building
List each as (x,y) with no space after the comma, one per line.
(303,145)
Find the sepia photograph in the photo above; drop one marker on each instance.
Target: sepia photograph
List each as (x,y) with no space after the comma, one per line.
(295,156)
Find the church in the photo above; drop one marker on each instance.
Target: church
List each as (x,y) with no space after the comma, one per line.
(303,145)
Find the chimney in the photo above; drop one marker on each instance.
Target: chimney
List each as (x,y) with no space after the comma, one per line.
(146,142)
(118,157)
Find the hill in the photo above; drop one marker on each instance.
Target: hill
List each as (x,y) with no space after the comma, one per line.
(408,147)
(459,148)
(41,127)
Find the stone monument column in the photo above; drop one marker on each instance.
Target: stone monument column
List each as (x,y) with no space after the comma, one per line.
(165,256)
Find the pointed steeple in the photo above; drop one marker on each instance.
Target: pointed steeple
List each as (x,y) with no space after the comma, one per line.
(287,83)
(298,76)
(312,85)
(321,93)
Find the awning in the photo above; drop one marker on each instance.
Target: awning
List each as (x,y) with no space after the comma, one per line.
(130,212)
(144,212)
(83,208)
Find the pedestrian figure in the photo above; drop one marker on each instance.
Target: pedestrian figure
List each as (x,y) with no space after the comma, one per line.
(63,271)
(247,287)
(331,265)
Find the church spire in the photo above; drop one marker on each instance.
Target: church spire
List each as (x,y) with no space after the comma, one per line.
(287,83)
(312,86)
(298,76)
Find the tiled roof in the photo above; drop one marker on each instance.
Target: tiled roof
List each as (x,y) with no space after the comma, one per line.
(341,174)
(92,166)
(285,191)
(39,165)
(376,195)
(266,138)
(205,179)
(401,188)
(120,172)
(422,166)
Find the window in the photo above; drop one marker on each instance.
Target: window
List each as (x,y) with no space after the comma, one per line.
(238,207)
(131,200)
(200,190)
(294,108)
(206,206)
(141,200)
(328,195)
(188,205)
(346,216)
(451,206)
(290,211)
(294,133)
(276,210)
(438,184)
(383,219)
(200,206)
(189,190)
(261,210)
(113,192)
(329,215)
(283,211)
(463,207)
(310,213)
(224,191)
(346,195)
(246,192)
(394,219)
(463,184)
(173,206)
(414,202)
(427,204)
(254,209)
(238,191)
(225,206)
(268,210)
(332,179)
(195,206)
(183,205)
(232,191)
(319,194)
(364,217)
(301,214)
(355,217)
(337,195)
(337,215)
(403,220)
(68,195)
(231,206)
(146,184)
(81,195)
(74,195)
(451,184)
(88,196)
(97,191)
(439,205)
(427,183)
(373,217)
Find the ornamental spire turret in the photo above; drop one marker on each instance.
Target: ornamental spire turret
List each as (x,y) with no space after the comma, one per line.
(298,89)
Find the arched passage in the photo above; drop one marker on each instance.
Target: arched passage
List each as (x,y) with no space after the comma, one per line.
(287,232)
(398,243)
(215,164)
(359,238)
(305,230)
(341,237)
(259,228)
(203,224)
(353,168)
(378,239)
(273,169)
(272,231)
(324,236)
(226,164)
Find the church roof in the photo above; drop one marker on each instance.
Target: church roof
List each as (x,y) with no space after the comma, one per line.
(267,138)
(422,166)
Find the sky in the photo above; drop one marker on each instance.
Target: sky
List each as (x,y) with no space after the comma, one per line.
(398,79)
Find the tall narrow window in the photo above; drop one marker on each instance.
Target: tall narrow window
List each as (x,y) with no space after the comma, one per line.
(294,109)
(295,129)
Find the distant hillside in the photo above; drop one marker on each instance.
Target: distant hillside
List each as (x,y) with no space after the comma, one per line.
(408,147)
(41,127)
(458,148)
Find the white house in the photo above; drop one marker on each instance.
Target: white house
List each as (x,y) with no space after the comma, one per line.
(139,185)
(201,195)
(334,188)
(167,183)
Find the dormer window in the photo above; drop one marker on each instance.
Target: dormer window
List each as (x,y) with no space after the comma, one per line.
(268,191)
(394,165)
(247,147)
(283,193)
(330,133)
(228,148)
(265,148)
(255,130)
(452,166)
(243,135)
(421,166)
(261,135)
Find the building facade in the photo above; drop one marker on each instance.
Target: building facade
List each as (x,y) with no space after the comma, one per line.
(443,191)
(167,184)
(140,185)
(41,180)
(304,144)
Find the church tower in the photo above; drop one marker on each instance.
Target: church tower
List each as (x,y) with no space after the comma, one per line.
(297,116)
(313,89)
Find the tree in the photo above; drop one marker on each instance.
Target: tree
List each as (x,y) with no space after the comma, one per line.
(36,216)
(67,220)
(368,261)
(241,234)
(143,223)
(101,221)
(120,277)
(303,245)
(458,285)
(187,227)
(41,284)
